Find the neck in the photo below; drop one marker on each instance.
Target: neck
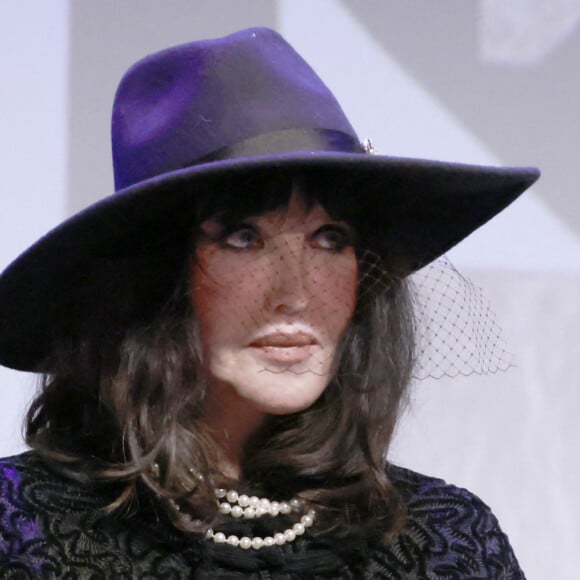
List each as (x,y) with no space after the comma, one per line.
(231,424)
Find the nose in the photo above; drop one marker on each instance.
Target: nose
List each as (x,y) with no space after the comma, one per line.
(289,291)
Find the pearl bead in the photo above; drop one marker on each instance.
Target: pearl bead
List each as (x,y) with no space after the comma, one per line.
(232,496)
(289,535)
(249,513)
(274,508)
(279,539)
(233,540)
(220,493)
(260,511)
(299,529)
(285,508)
(257,543)
(245,543)
(237,511)
(219,538)
(225,507)
(243,500)
(307,520)
(269,541)
(265,503)
(295,504)
(254,501)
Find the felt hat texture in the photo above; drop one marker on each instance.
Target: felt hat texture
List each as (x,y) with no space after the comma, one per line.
(195,118)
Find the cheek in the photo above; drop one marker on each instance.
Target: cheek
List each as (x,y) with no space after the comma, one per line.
(334,293)
(225,301)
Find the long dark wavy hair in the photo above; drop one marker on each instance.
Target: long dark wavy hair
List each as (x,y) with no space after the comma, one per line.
(122,403)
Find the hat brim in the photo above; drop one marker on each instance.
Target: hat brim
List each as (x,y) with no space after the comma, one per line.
(414,211)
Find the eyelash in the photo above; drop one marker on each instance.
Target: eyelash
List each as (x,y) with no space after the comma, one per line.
(230,231)
(345,237)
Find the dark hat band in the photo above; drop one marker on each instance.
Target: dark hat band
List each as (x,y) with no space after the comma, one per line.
(287,141)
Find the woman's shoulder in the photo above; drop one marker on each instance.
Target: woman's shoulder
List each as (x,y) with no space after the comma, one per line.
(22,546)
(22,477)
(417,488)
(449,530)
(44,518)
(17,473)
(24,463)
(54,526)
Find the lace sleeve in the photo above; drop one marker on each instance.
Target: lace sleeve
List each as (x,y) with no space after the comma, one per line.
(21,542)
(450,533)
(497,556)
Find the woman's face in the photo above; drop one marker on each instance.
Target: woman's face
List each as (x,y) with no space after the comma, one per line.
(273,296)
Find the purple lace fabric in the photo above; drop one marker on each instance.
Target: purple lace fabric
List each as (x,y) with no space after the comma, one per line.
(51,527)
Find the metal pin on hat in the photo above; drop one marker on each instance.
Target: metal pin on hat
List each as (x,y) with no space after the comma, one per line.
(368,146)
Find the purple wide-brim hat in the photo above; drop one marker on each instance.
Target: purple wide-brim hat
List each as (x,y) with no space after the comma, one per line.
(197,118)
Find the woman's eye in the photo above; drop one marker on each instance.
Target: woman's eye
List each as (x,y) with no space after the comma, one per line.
(241,238)
(333,237)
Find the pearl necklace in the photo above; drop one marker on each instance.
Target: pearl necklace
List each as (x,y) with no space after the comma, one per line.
(251,507)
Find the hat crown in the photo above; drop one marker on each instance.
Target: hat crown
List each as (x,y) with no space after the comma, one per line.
(176,108)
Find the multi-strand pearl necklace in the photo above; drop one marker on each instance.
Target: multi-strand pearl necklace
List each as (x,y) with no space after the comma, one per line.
(250,507)
(231,503)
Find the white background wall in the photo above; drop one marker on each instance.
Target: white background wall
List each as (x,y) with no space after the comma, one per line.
(33,154)
(512,438)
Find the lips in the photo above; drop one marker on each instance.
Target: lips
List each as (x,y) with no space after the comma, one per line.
(285,347)
(285,340)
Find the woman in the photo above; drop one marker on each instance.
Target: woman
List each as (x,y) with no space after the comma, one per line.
(226,341)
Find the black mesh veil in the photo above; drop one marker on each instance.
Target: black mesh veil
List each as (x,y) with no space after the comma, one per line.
(456,331)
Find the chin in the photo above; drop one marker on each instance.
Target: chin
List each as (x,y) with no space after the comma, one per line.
(285,408)
(285,393)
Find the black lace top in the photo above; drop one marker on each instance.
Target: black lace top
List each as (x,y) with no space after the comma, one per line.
(51,527)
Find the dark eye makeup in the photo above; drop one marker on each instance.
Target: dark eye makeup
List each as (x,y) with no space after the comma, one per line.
(332,237)
(241,236)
